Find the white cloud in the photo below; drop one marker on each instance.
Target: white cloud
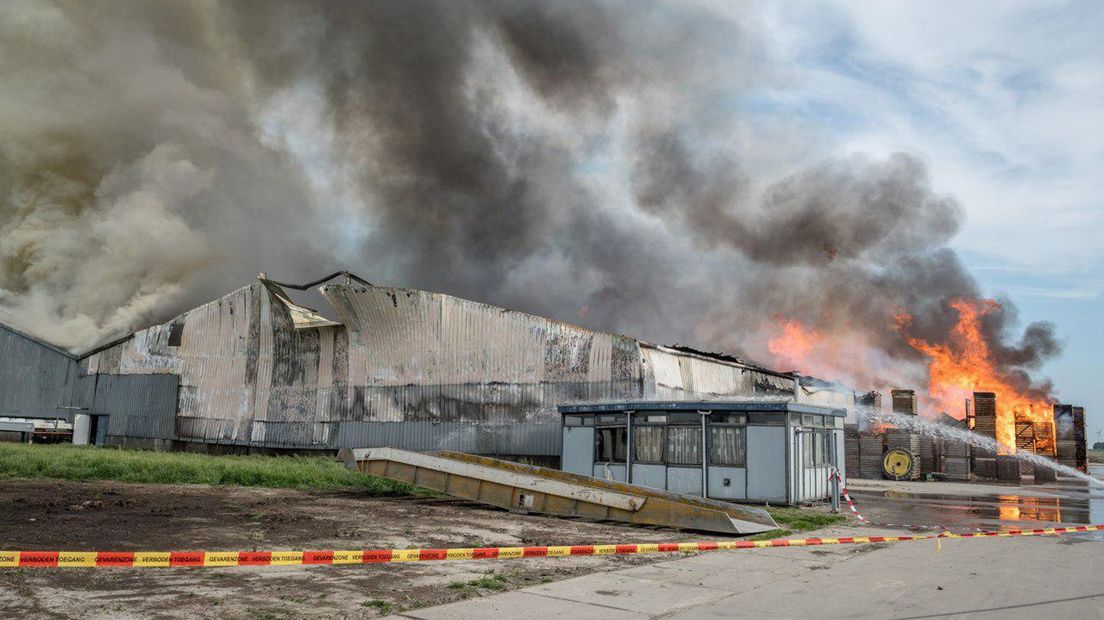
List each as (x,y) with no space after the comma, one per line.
(1005,101)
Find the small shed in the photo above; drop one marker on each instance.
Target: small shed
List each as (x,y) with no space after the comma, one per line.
(764,451)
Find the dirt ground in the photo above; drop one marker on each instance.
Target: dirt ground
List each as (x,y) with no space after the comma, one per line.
(88,516)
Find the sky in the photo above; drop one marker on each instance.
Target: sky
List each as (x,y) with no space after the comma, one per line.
(1005,102)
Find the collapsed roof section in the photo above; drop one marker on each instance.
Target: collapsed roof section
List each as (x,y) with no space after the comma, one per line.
(301,316)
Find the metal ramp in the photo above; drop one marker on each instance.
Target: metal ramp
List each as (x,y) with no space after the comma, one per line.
(527,488)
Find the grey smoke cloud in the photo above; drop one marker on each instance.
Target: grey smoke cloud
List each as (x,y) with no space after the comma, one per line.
(588,160)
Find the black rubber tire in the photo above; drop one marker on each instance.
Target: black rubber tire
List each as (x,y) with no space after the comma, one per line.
(907,475)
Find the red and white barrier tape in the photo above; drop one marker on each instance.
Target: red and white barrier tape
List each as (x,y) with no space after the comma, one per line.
(846,495)
(165,559)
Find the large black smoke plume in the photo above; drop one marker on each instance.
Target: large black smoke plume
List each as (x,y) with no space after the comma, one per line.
(592,161)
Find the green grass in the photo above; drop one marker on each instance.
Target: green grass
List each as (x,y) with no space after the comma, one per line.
(381,606)
(489,581)
(69,462)
(794,520)
(800,520)
(1096,456)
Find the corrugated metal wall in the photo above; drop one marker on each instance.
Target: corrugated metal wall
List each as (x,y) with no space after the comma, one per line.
(676,375)
(35,378)
(138,405)
(526,438)
(407,368)
(827,396)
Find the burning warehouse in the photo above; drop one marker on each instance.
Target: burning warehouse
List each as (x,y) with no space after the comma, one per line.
(417,370)
(401,367)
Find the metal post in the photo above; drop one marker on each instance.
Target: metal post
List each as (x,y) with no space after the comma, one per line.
(788,441)
(704,454)
(628,446)
(835,471)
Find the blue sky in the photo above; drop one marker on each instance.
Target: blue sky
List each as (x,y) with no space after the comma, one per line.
(1005,102)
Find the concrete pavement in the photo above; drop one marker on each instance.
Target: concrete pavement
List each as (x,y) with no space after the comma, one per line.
(1023,577)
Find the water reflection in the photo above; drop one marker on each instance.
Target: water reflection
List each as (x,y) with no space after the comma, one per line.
(1016,508)
(1067,501)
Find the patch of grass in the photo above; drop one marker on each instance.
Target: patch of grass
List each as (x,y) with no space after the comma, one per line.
(1096,456)
(490,581)
(800,520)
(68,462)
(795,520)
(381,606)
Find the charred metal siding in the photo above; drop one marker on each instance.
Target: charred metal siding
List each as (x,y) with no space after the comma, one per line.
(35,378)
(675,375)
(526,438)
(406,368)
(426,357)
(220,342)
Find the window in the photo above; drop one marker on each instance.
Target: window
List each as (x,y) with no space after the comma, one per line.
(649,417)
(817,448)
(578,420)
(767,419)
(727,446)
(728,417)
(610,444)
(176,333)
(684,445)
(648,444)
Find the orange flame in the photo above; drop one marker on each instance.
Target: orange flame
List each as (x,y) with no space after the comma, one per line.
(965,365)
(841,355)
(794,344)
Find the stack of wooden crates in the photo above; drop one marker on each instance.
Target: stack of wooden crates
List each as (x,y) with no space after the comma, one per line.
(985,424)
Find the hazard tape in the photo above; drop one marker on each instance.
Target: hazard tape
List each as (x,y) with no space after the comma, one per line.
(166,559)
(843,489)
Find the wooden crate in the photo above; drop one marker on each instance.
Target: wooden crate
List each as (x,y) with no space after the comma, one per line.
(871,449)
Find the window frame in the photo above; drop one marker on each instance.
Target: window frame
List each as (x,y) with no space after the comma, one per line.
(622,446)
(742,445)
(816,452)
(637,427)
(697,434)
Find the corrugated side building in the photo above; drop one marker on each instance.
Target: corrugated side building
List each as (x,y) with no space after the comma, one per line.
(36,378)
(401,367)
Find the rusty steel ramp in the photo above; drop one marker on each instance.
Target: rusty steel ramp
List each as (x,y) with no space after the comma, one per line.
(527,488)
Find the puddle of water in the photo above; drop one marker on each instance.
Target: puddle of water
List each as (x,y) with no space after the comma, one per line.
(1077,504)
(1096,504)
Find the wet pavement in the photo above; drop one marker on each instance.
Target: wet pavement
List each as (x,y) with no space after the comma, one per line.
(970,507)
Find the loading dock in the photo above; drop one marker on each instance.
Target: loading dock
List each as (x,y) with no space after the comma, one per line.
(764,451)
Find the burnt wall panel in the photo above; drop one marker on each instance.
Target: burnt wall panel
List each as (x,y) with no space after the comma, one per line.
(250,375)
(530,438)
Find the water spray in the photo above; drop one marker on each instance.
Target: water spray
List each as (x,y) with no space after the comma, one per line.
(927,427)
